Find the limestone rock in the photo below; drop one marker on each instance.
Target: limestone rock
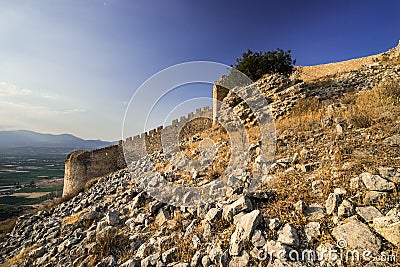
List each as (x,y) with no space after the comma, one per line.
(196,259)
(388,227)
(213,215)
(372,197)
(131,263)
(162,217)
(106,234)
(168,255)
(112,217)
(224,260)
(299,206)
(368,213)
(244,230)
(138,200)
(214,253)
(190,228)
(258,239)
(205,261)
(376,183)
(390,174)
(36,253)
(346,209)
(312,230)
(357,235)
(196,241)
(331,203)
(288,235)
(249,222)
(206,229)
(242,260)
(109,261)
(151,260)
(314,212)
(339,129)
(140,218)
(355,183)
(273,224)
(154,206)
(340,191)
(242,204)
(144,250)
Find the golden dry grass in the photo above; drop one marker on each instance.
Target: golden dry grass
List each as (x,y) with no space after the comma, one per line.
(20,257)
(7,225)
(306,131)
(373,113)
(74,218)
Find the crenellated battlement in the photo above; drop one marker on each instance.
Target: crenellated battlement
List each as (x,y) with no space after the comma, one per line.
(153,140)
(82,166)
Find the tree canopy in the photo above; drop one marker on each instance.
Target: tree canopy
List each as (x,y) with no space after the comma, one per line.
(257,64)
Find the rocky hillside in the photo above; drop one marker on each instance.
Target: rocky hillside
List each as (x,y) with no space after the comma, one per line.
(330,198)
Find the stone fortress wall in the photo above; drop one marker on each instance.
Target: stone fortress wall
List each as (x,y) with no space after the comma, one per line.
(82,166)
(149,142)
(282,92)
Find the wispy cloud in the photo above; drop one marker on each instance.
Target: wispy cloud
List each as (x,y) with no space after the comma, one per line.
(28,109)
(7,89)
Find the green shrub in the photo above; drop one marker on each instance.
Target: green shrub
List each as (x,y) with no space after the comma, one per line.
(257,64)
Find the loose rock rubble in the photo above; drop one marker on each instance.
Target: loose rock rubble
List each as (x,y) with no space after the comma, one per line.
(122,215)
(116,223)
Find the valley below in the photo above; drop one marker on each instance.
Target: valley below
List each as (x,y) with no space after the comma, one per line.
(26,180)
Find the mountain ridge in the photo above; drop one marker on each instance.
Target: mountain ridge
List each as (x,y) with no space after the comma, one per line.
(20,139)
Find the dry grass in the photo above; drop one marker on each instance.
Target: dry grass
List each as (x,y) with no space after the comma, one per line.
(373,113)
(304,130)
(114,244)
(20,257)
(305,116)
(90,183)
(386,60)
(7,225)
(74,218)
(368,106)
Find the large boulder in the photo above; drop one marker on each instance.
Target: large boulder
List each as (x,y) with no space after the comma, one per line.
(242,204)
(376,183)
(368,213)
(389,227)
(244,230)
(353,234)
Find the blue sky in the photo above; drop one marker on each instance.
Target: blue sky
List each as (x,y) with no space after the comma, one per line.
(72,66)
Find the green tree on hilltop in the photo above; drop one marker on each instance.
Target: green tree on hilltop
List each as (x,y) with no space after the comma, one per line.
(255,65)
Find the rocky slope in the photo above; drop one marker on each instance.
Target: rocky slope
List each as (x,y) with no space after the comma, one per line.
(331,194)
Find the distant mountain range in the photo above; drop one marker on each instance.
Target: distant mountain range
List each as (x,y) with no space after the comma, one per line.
(23,141)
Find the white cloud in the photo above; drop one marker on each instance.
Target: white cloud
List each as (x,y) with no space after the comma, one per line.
(35,109)
(7,89)
(74,111)
(48,96)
